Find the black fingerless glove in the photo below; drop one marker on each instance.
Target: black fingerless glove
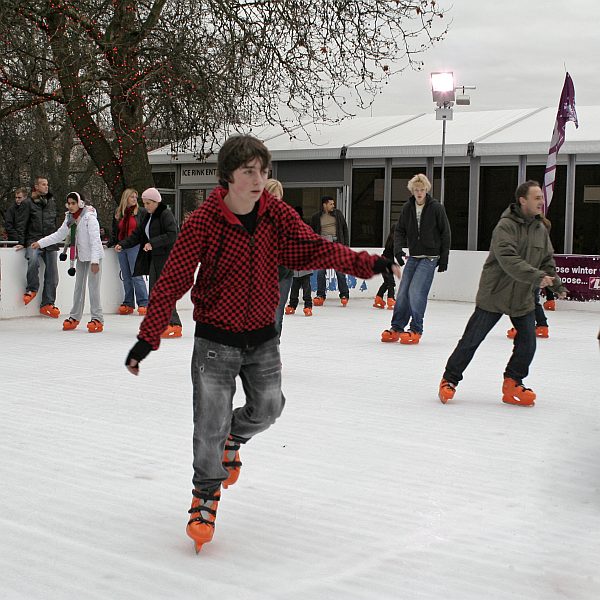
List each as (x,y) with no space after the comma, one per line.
(139,352)
(383,265)
(400,259)
(442,267)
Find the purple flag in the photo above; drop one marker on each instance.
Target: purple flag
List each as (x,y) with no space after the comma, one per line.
(566,112)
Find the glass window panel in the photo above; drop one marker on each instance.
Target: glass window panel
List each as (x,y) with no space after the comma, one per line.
(367,207)
(496,191)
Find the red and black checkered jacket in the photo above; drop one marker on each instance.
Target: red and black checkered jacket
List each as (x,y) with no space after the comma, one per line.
(236,291)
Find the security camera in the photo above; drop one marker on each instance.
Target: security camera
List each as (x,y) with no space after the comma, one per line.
(463,99)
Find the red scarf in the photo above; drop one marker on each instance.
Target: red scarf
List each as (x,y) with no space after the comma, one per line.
(127,224)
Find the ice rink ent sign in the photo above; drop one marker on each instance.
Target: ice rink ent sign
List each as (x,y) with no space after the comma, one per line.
(206,174)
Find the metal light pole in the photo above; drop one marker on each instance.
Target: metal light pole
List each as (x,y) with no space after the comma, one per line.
(443,181)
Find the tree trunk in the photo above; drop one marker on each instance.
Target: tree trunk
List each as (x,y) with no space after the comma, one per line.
(90,135)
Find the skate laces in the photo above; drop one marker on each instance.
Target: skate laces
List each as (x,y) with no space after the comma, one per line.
(231,449)
(523,388)
(207,498)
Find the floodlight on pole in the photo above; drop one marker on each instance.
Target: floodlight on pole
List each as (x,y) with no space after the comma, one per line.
(442,87)
(443,90)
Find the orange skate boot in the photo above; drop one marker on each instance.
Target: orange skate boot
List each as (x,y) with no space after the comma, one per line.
(446,391)
(410,337)
(549,305)
(390,335)
(391,303)
(290,310)
(28,297)
(344,301)
(201,527)
(517,393)
(308,312)
(125,310)
(318,301)
(378,303)
(511,334)
(50,311)
(231,461)
(142,311)
(70,324)
(172,331)
(542,331)
(94,326)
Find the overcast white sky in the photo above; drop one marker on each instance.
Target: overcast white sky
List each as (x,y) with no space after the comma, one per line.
(514,51)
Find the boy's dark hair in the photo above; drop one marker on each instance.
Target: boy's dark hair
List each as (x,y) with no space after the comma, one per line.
(523,189)
(325,199)
(238,151)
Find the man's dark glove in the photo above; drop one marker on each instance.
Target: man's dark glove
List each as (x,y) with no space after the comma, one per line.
(400,259)
(139,352)
(383,265)
(442,267)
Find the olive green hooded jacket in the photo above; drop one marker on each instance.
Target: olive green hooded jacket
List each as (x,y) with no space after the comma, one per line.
(521,254)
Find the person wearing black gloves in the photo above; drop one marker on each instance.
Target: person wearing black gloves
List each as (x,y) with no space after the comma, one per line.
(424,229)
(238,236)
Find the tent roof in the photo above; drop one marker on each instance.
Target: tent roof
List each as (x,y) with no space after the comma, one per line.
(495,133)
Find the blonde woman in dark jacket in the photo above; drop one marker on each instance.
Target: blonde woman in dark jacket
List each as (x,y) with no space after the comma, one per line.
(128,217)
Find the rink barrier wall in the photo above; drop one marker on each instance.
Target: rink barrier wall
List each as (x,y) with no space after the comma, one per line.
(459,283)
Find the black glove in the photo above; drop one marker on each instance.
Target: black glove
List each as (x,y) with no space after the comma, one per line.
(400,259)
(139,352)
(442,267)
(383,265)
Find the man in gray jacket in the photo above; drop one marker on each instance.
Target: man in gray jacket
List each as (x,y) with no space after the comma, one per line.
(520,260)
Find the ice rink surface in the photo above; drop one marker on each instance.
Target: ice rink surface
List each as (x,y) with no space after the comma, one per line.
(366,488)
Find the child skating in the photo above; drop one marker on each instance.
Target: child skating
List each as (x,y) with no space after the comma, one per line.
(235,241)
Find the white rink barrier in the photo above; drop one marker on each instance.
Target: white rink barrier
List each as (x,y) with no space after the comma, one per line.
(459,283)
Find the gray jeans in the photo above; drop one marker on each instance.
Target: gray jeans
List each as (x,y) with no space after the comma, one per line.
(214,371)
(83,273)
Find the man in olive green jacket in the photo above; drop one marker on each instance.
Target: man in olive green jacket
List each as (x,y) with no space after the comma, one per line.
(520,261)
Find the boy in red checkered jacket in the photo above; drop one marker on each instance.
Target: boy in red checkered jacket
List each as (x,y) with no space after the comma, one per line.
(238,236)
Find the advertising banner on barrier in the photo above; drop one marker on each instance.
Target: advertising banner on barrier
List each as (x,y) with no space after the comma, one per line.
(580,275)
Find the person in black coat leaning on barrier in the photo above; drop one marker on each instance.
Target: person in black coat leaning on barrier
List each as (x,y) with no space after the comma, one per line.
(11,217)
(156,235)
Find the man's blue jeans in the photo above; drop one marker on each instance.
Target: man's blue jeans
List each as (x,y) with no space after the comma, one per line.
(33,257)
(411,299)
(214,371)
(322,284)
(479,325)
(132,284)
